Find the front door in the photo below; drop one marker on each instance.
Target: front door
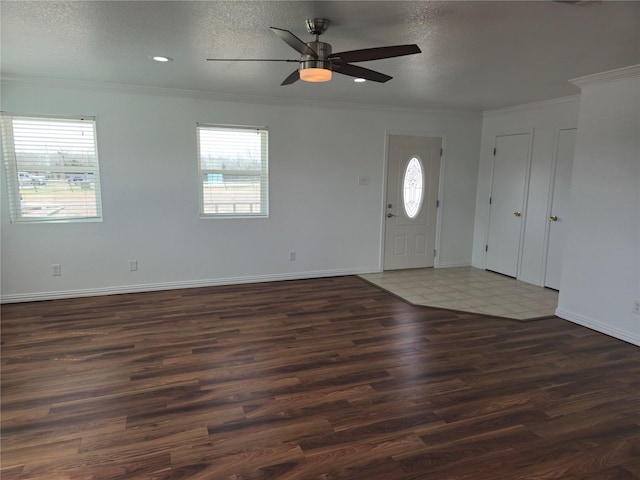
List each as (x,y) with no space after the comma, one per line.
(413,172)
(506,211)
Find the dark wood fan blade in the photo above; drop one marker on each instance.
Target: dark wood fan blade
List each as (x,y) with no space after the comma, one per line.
(294,42)
(249,60)
(360,72)
(294,77)
(375,53)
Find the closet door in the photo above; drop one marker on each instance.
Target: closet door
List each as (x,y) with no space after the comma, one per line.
(507,202)
(565,150)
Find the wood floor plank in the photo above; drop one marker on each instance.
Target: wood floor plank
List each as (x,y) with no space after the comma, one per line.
(327,379)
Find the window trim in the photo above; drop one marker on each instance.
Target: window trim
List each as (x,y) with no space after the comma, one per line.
(263,173)
(12,169)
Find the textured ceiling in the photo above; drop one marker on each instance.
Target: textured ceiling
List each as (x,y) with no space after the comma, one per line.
(476,54)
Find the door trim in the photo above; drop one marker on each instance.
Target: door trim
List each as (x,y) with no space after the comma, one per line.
(385,165)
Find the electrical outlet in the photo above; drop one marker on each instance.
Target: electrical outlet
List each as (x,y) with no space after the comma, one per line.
(292,256)
(133,265)
(56,270)
(636,306)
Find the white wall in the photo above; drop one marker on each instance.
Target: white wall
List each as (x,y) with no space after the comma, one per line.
(543,120)
(147,151)
(601,267)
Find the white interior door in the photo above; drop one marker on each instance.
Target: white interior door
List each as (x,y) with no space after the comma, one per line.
(506,211)
(560,202)
(413,172)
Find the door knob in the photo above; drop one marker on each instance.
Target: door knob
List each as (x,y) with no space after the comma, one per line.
(517,214)
(553,218)
(389,215)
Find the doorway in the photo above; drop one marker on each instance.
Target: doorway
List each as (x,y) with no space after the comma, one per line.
(413,176)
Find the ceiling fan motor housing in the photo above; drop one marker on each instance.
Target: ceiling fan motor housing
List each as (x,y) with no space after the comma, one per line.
(323,50)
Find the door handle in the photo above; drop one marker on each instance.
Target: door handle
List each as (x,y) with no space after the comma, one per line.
(517,214)
(553,218)
(389,215)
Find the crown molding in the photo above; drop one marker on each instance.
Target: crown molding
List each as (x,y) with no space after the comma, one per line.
(221,97)
(606,77)
(527,106)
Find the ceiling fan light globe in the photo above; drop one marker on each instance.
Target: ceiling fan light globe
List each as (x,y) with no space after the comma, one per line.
(315,75)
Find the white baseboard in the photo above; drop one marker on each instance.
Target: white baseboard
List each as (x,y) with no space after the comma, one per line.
(599,326)
(453,264)
(151,287)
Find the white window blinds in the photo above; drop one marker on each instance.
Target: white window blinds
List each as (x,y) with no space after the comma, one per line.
(51,167)
(233,171)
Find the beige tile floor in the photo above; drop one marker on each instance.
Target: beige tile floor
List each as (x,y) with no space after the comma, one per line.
(468,289)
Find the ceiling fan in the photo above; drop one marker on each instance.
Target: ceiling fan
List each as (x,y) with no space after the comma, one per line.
(317,62)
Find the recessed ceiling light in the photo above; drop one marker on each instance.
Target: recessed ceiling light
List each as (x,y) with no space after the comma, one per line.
(161,58)
(359,80)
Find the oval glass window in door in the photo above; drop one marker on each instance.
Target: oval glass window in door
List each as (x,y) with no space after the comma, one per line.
(413,187)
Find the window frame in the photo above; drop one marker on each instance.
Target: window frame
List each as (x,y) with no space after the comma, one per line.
(12,169)
(262,173)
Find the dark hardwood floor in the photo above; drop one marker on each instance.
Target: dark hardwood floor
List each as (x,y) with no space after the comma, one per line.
(311,379)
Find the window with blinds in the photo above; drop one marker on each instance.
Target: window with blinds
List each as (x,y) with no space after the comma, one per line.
(233,171)
(51,167)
